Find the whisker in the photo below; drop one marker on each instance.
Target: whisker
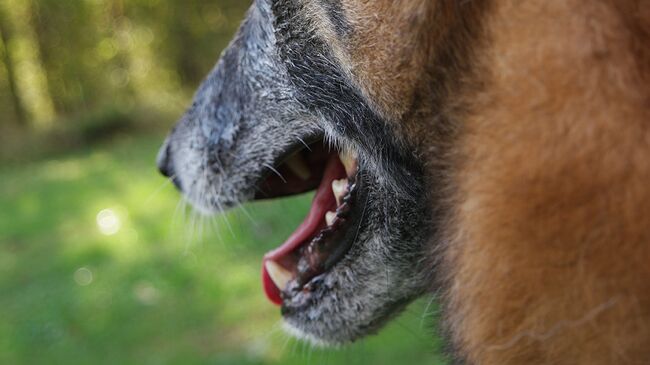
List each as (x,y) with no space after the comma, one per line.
(159,189)
(275,171)
(224,217)
(175,216)
(426,313)
(241,207)
(363,213)
(217,231)
(201,228)
(222,214)
(304,143)
(408,330)
(179,223)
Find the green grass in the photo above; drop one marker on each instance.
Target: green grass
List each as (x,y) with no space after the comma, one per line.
(160,285)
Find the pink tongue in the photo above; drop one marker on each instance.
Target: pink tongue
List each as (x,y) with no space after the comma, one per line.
(322,203)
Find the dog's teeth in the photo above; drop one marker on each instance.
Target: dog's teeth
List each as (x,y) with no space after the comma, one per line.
(278,274)
(339,188)
(330,217)
(349,161)
(298,166)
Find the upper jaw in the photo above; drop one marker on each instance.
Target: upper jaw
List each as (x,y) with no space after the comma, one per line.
(214,174)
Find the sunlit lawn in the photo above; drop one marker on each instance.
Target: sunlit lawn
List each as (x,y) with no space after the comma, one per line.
(100,264)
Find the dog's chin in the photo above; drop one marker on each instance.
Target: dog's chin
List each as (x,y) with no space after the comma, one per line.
(294,330)
(354,302)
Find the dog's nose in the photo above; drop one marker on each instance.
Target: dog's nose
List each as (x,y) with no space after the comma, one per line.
(164,161)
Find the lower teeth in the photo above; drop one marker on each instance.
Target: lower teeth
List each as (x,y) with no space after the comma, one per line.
(330,217)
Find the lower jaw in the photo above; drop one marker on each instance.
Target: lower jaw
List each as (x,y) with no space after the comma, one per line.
(293,270)
(325,320)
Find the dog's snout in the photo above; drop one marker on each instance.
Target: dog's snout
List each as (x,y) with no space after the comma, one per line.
(164,161)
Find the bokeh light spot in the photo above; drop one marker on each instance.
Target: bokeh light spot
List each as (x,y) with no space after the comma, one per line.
(146,293)
(83,276)
(108,222)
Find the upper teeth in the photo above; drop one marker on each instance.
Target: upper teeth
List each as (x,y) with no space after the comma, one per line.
(339,188)
(349,161)
(330,217)
(298,166)
(278,274)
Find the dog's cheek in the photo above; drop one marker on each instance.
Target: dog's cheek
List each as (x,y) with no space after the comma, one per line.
(389,42)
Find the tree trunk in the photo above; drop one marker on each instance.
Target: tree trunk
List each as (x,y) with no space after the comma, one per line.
(19,109)
(23,53)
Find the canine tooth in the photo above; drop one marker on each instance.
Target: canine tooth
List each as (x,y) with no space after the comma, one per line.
(298,166)
(339,188)
(278,274)
(330,217)
(349,161)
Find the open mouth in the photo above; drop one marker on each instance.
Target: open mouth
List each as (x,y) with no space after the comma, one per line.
(291,272)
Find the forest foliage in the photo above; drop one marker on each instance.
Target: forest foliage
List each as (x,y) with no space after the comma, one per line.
(63,60)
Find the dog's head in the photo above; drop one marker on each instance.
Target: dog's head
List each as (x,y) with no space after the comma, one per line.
(330,95)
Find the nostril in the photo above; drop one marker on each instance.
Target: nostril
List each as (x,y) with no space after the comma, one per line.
(164,161)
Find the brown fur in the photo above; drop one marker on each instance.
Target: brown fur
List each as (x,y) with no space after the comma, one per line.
(548,233)
(551,244)
(378,54)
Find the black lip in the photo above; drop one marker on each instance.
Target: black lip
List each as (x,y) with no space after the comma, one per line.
(310,284)
(177,183)
(337,240)
(325,249)
(165,165)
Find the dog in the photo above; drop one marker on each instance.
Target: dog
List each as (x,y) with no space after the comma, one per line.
(495,154)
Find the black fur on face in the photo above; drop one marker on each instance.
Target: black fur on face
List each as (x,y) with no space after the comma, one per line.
(276,86)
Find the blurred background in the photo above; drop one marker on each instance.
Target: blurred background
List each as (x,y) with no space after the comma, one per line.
(101,262)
